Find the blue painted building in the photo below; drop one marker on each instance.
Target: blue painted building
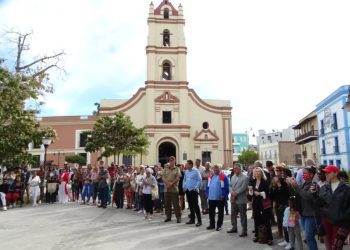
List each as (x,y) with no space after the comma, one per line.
(240,142)
(333,121)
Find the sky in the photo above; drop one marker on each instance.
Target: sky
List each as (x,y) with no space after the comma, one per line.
(275,60)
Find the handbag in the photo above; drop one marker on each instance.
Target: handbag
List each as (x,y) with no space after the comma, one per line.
(155,194)
(51,187)
(266,203)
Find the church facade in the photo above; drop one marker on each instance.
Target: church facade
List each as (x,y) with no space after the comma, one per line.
(177,121)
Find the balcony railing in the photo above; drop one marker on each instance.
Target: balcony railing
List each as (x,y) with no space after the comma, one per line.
(307,137)
(323,151)
(336,149)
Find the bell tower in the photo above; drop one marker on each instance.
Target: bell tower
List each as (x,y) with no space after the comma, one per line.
(166,49)
(176,120)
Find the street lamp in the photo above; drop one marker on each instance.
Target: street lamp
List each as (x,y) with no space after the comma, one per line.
(58,159)
(46,142)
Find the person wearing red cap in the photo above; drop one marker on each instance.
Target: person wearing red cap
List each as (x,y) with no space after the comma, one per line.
(334,202)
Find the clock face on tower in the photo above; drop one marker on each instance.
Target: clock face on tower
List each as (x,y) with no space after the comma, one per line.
(327,119)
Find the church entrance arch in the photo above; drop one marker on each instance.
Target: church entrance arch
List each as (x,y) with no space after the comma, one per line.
(166,149)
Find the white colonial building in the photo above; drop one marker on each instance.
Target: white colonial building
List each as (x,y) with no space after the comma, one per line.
(177,121)
(279,147)
(333,121)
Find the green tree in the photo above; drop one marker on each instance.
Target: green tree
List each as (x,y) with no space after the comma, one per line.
(248,157)
(25,159)
(18,126)
(114,135)
(78,159)
(20,88)
(141,145)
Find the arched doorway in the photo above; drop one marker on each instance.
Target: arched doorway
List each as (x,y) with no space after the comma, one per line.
(165,150)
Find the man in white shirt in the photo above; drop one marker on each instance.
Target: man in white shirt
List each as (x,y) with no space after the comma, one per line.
(138,192)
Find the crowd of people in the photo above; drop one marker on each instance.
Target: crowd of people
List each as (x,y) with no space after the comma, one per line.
(313,201)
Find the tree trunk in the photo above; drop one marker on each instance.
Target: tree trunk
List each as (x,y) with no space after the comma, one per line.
(141,159)
(118,158)
(114,154)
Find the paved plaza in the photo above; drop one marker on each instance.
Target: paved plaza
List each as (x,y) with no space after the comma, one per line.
(75,226)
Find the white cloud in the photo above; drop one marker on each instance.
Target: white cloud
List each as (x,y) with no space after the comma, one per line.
(275,60)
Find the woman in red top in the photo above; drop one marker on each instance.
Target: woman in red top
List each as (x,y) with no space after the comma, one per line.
(15,192)
(63,190)
(127,187)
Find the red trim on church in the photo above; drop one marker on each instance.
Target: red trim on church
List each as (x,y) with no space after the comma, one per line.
(166,2)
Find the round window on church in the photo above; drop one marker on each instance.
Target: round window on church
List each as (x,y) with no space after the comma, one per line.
(205,125)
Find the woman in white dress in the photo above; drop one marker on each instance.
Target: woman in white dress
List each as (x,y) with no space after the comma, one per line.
(34,182)
(62,190)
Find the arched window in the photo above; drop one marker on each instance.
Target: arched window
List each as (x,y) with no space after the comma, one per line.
(166,13)
(166,38)
(166,71)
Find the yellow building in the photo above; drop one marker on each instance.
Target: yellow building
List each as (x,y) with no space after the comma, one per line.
(306,135)
(177,121)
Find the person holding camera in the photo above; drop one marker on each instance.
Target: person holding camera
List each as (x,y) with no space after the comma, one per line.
(334,202)
(280,194)
(310,214)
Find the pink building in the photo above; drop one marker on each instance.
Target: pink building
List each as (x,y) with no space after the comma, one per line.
(69,141)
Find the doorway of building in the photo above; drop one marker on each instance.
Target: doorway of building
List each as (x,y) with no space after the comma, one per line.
(206,157)
(165,150)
